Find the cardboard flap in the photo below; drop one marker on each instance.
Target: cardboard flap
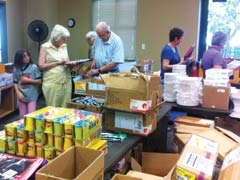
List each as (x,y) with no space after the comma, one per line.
(127,81)
(165,162)
(144,176)
(135,165)
(229,134)
(225,143)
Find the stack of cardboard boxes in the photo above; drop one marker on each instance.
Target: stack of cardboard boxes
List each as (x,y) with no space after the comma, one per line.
(132,102)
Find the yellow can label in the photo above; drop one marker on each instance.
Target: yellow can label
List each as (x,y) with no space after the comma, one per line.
(184,175)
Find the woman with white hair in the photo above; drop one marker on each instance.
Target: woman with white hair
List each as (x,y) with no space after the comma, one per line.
(90,37)
(57,83)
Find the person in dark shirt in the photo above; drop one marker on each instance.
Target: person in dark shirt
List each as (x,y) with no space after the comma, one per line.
(212,57)
(169,53)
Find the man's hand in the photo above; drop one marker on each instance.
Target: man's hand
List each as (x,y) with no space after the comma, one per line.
(91,73)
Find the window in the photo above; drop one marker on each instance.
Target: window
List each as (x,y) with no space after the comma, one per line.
(121,16)
(220,16)
(3,33)
(225,16)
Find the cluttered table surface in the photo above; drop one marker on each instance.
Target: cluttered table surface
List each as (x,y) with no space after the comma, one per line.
(209,113)
(116,150)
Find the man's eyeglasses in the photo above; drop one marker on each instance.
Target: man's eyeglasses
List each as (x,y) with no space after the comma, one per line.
(102,35)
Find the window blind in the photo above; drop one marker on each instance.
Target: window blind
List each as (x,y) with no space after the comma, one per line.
(121,16)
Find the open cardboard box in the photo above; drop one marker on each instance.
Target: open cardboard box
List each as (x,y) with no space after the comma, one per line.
(76,163)
(155,166)
(230,169)
(132,91)
(124,177)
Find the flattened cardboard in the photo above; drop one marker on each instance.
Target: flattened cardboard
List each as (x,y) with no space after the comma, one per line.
(189,120)
(189,129)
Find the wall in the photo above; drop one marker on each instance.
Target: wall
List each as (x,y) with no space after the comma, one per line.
(155,18)
(15,26)
(81,12)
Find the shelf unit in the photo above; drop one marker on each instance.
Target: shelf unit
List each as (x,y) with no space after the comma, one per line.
(7,103)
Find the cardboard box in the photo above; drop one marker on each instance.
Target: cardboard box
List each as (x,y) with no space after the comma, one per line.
(181,139)
(76,163)
(86,106)
(216,97)
(144,176)
(132,91)
(124,177)
(155,166)
(130,122)
(230,169)
(197,160)
(96,87)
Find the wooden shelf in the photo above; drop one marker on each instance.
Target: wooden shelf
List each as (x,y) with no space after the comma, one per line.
(7,103)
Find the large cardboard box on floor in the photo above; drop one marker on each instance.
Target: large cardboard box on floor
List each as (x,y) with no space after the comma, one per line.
(132,91)
(216,97)
(76,163)
(155,166)
(230,169)
(197,159)
(130,122)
